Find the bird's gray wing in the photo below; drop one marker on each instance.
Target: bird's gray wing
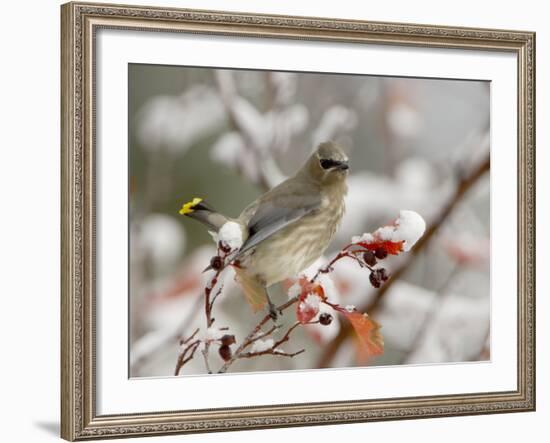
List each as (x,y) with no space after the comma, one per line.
(276,214)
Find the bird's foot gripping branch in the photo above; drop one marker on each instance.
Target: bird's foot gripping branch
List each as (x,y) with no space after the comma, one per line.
(310,298)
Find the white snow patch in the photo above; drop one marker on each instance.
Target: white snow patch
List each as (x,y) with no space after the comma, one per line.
(231,234)
(385,233)
(365,238)
(311,302)
(262,345)
(409,227)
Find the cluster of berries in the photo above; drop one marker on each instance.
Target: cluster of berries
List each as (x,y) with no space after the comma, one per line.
(380,275)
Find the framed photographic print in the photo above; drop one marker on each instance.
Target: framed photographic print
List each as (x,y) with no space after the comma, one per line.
(282,221)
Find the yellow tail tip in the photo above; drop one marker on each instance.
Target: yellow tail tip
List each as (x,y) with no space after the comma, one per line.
(188,207)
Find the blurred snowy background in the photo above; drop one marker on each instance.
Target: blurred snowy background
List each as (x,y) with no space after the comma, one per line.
(228,135)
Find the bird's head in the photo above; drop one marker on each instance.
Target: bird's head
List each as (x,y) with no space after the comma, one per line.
(328,164)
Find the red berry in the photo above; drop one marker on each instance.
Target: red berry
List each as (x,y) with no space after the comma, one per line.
(381,253)
(374,279)
(228,339)
(225,352)
(216,262)
(369,258)
(325,319)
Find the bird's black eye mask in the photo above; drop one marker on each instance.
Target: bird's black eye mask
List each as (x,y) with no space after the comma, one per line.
(327,163)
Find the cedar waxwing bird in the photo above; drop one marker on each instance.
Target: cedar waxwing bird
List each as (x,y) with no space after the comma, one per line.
(286,229)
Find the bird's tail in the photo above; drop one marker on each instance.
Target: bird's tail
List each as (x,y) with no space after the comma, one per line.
(255,293)
(199,210)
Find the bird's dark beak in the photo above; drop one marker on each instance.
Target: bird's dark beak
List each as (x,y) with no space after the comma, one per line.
(342,166)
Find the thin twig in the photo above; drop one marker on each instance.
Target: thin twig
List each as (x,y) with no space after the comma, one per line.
(252,336)
(183,360)
(205,350)
(342,254)
(208,305)
(190,349)
(271,352)
(216,295)
(265,334)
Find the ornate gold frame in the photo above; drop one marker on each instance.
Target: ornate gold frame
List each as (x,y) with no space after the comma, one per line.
(79,21)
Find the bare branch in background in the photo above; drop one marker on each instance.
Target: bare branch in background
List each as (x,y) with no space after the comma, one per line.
(430,317)
(251,126)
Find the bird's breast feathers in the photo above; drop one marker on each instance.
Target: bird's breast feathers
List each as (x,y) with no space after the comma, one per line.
(295,247)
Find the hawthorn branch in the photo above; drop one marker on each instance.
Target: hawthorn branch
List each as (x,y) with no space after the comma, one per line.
(466,182)
(272,350)
(257,334)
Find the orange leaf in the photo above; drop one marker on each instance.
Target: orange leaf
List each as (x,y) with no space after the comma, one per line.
(362,356)
(367,330)
(310,288)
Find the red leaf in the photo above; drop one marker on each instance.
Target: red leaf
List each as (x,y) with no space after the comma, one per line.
(311,294)
(393,248)
(367,330)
